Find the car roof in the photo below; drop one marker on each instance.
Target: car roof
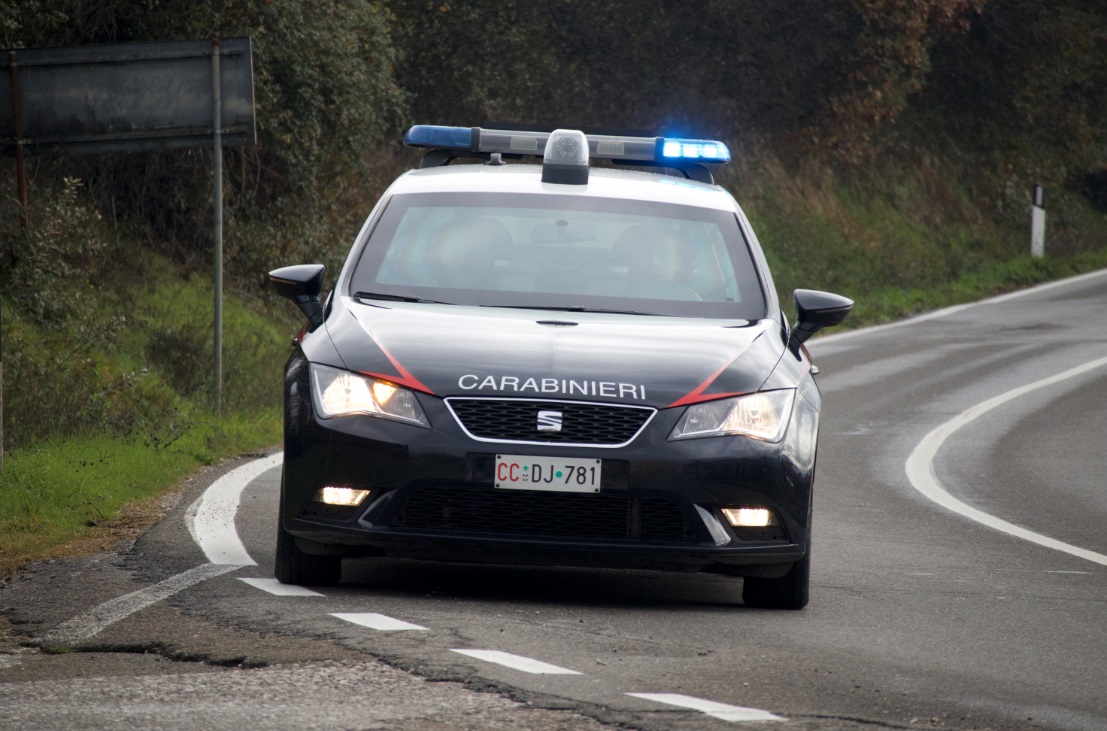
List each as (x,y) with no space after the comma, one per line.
(602,183)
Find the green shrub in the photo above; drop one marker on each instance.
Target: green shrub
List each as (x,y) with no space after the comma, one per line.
(55,264)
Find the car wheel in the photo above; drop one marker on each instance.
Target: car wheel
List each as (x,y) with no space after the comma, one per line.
(788,592)
(293,566)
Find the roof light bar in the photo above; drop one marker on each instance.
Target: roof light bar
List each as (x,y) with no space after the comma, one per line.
(658,150)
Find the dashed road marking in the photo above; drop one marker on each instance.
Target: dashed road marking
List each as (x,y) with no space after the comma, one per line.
(722,711)
(517,662)
(377,621)
(920,465)
(276,588)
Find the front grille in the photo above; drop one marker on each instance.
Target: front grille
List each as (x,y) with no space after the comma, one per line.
(516,420)
(561,515)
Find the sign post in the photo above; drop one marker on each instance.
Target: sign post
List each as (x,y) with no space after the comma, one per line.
(217,195)
(17,129)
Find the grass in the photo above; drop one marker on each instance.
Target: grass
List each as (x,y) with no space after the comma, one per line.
(108,410)
(995,279)
(86,494)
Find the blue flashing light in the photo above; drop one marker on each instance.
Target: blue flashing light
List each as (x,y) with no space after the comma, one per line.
(446,138)
(694,150)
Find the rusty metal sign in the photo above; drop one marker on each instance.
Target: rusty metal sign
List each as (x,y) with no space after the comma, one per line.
(124,97)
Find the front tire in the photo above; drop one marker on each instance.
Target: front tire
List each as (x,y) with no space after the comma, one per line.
(293,566)
(790,591)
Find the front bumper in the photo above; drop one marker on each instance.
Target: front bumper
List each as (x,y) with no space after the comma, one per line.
(433,495)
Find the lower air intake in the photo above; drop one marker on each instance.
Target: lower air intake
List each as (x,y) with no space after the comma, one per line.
(611,517)
(775,533)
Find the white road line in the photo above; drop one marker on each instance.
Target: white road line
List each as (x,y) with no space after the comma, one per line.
(947,311)
(276,588)
(378,622)
(921,473)
(211,518)
(86,625)
(722,711)
(517,662)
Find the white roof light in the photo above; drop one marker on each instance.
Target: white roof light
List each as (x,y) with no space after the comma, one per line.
(566,158)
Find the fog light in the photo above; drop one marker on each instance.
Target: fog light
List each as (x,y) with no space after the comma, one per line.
(343,496)
(750,517)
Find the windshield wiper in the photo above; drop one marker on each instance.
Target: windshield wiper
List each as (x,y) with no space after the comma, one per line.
(577,308)
(396,298)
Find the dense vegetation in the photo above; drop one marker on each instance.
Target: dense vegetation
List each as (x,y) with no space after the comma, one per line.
(885,149)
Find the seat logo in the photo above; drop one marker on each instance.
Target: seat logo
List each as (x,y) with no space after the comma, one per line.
(549,421)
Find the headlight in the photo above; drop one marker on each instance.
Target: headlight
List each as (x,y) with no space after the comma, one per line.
(761,415)
(342,393)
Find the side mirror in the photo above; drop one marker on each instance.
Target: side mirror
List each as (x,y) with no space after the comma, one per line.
(301,284)
(816,310)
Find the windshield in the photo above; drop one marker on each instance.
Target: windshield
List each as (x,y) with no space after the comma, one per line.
(560,252)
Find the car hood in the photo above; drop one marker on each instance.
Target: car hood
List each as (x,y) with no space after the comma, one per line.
(517,353)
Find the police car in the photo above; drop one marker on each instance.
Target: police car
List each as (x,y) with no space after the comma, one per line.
(555,364)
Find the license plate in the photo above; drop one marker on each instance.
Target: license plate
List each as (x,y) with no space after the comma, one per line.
(555,474)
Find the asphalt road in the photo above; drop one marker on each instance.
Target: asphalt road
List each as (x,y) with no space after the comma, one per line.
(959,581)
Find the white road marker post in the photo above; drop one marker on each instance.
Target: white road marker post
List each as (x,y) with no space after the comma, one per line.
(1037,223)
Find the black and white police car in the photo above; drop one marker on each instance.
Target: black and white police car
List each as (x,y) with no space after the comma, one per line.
(553,365)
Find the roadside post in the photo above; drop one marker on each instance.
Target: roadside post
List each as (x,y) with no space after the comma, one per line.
(1037,223)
